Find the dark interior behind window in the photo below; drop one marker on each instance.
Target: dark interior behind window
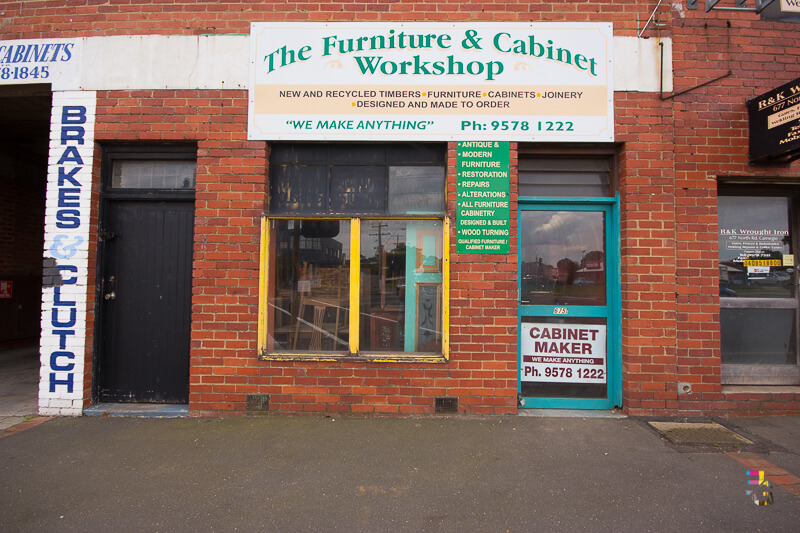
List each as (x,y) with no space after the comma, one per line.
(355,179)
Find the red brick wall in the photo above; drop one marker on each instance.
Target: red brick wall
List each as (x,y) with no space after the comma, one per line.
(91,297)
(22,221)
(672,152)
(231,189)
(21,241)
(78,18)
(483,316)
(644,125)
(231,194)
(711,143)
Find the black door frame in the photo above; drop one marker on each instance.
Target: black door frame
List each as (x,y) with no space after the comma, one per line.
(110,153)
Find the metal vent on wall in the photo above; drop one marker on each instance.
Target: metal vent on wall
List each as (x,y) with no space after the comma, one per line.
(446,405)
(564,176)
(257,402)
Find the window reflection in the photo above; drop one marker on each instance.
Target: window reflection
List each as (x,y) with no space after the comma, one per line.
(309,298)
(159,174)
(416,189)
(357,179)
(755,247)
(308,265)
(758,336)
(563,258)
(401,286)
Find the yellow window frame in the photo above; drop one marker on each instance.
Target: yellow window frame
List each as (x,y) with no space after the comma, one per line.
(355,284)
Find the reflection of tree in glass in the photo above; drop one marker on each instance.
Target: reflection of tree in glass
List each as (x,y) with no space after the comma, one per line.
(566,270)
(396,261)
(593,259)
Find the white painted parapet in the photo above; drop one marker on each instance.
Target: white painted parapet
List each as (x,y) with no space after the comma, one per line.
(152,62)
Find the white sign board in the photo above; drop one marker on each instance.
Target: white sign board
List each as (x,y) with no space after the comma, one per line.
(438,82)
(563,353)
(54,61)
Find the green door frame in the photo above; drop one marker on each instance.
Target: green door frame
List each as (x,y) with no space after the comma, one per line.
(611,311)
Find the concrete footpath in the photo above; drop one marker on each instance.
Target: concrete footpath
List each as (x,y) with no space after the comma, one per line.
(504,474)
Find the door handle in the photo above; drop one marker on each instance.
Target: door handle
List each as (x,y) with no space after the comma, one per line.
(110,295)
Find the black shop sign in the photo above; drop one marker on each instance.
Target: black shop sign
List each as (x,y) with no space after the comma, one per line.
(775,125)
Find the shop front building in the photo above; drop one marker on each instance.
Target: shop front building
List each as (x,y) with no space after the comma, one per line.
(404,209)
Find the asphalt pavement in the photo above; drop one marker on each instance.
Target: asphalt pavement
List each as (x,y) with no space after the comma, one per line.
(464,474)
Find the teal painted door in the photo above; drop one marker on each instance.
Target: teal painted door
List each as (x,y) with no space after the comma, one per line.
(569,349)
(423,292)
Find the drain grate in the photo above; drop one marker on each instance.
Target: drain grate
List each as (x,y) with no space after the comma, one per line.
(699,433)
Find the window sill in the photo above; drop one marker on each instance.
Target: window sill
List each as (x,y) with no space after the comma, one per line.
(772,389)
(363,358)
(754,375)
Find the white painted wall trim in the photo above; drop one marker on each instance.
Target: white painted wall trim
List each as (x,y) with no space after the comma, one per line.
(151,62)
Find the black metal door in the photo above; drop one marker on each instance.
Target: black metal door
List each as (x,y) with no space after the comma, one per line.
(146,301)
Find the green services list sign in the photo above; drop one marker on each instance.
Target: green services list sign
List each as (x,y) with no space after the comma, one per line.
(482,197)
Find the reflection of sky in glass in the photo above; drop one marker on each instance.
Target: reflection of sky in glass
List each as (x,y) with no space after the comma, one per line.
(344,238)
(554,235)
(392,234)
(752,213)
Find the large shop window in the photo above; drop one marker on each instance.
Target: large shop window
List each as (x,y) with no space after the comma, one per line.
(354,252)
(758,285)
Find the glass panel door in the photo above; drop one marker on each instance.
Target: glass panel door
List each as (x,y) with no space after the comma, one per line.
(568,341)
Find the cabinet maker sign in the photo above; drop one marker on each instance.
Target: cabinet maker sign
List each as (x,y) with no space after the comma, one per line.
(438,82)
(561,353)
